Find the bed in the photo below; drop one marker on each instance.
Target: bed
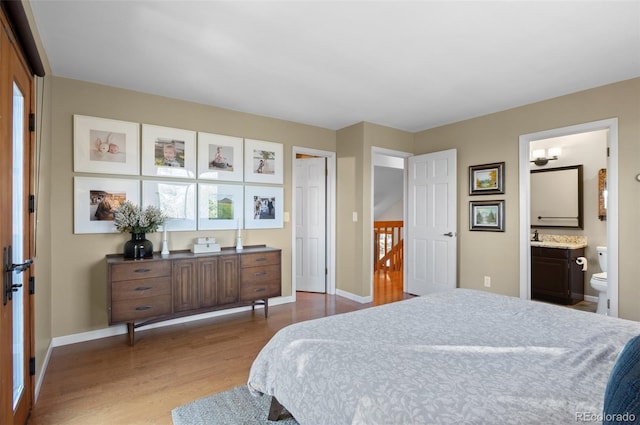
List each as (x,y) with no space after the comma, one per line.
(461,356)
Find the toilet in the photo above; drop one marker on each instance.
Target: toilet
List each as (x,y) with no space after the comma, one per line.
(599,280)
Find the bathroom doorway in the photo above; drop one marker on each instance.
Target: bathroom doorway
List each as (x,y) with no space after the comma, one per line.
(577,144)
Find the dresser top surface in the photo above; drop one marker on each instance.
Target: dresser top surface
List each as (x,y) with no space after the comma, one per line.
(181,254)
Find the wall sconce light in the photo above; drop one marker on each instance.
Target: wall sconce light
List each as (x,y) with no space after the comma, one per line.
(542,156)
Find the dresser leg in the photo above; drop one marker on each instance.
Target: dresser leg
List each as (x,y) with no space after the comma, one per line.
(131,333)
(266,307)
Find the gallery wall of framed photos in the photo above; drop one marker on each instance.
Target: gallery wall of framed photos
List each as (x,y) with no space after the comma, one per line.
(197,178)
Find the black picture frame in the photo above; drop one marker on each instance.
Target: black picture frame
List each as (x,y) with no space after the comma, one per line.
(486,179)
(486,216)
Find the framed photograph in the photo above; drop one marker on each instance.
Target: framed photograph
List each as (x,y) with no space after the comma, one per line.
(220,206)
(263,162)
(263,207)
(96,199)
(220,157)
(177,199)
(168,152)
(486,179)
(102,145)
(486,215)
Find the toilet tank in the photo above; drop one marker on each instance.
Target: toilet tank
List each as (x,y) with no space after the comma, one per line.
(602,257)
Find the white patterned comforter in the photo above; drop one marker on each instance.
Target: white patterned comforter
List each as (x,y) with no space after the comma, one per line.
(459,357)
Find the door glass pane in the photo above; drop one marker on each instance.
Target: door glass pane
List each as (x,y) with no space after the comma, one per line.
(18,196)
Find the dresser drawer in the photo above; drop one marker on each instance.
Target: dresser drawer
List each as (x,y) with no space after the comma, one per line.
(140,288)
(259,274)
(260,259)
(139,309)
(261,290)
(140,270)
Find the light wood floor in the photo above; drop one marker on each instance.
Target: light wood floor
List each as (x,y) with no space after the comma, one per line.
(108,382)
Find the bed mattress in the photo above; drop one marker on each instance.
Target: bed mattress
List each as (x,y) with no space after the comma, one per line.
(461,356)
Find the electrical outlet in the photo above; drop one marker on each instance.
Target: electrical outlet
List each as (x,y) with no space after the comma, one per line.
(487,281)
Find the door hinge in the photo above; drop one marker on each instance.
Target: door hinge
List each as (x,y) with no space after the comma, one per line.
(608,152)
(608,303)
(32,204)
(32,366)
(32,285)
(32,122)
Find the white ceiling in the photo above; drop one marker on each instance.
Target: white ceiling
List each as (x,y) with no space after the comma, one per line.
(408,65)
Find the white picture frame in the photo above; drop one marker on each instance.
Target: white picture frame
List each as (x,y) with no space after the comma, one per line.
(220,206)
(102,145)
(168,152)
(176,199)
(220,157)
(263,162)
(96,198)
(259,214)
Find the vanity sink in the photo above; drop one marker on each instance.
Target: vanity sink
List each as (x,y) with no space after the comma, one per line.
(558,241)
(561,245)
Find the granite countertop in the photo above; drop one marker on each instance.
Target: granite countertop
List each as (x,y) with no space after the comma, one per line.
(560,241)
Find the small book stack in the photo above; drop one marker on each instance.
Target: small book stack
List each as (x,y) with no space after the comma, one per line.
(204,245)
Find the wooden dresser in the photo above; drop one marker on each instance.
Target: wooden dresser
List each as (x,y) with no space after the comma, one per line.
(140,292)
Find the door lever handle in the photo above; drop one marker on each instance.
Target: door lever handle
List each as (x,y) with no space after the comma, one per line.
(19,267)
(450,234)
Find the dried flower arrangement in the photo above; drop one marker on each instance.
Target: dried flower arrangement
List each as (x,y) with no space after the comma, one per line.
(132,218)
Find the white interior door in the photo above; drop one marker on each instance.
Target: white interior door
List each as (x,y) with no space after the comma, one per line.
(431,223)
(311,224)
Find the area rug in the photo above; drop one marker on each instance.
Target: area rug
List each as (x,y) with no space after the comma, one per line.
(234,407)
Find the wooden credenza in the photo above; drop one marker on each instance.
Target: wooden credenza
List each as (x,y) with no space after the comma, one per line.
(140,292)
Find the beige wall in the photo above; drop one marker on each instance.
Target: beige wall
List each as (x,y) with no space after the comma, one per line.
(348,193)
(494,138)
(78,272)
(43,254)
(355,256)
(77,289)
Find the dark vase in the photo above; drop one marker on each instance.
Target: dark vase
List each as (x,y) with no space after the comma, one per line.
(138,247)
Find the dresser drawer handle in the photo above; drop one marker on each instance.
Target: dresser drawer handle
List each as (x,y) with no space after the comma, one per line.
(142,270)
(260,273)
(143,288)
(144,307)
(261,259)
(259,289)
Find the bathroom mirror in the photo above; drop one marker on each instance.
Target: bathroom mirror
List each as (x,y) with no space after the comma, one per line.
(557,198)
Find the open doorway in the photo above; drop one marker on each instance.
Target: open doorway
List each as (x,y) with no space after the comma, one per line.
(388,214)
(587,145)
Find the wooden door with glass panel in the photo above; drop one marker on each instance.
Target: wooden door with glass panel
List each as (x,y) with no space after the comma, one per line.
(16,316)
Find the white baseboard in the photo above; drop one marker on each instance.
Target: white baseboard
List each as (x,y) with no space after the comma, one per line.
(40,379)
(353,297)
(122,329)
(593,299)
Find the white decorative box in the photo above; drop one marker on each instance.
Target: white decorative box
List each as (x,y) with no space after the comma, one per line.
(200,248)
(205,240)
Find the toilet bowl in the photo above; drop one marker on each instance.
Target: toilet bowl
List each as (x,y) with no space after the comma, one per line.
(599,281)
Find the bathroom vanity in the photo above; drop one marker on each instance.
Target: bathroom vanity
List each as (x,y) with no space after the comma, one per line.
(555,275)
